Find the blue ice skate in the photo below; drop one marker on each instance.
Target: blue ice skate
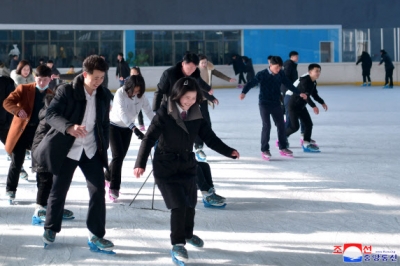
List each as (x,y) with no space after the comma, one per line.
(23,174)
(11,197)
(48,237)
(311,148)
(387,87)
(39,216)
(179,255)
(195,241)
(208,205)
(200,155)
(100,245)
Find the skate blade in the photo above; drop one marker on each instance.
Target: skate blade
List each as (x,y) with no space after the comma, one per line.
(96,249)
(69,218)
(45,245)
(286,155)
(176,261)
(208,205)
(310,151)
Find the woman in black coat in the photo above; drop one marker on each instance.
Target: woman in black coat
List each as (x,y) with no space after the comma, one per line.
(366,64)
(175,126)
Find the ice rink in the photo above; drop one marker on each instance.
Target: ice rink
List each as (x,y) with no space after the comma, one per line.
(282,212)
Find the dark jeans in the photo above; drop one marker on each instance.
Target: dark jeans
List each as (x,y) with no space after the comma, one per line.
(93,171)
(286,103)
(276,112)
(182,224)
(365,77)
(140,118)
(241,78)
(120,139)
(18,157)
(198,142)
(44,182)
(389,77)
(304,116)
(121,82)
(204,178)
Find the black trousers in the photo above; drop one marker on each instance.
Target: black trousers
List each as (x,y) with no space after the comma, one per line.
(389,77)
(277,115)
(18,157)
(120,139)
(3,133)
(204,178)
(365,77)
(44,181)
(140,118)
(304,116)
(198,142)
(241,78)
(93,171)
(182,224)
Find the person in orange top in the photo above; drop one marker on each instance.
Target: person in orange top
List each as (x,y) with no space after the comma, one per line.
(24,103)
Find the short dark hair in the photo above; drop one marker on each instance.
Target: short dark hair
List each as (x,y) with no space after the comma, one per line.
(312,66)
(21,65)
(50,62)
(182,86)
(43,71)
(202,56)
(191,58)
(137,69)
(135,81)
(121,54)
(269,57)
(71,66)
(276,60)
(292,53)
(94,62)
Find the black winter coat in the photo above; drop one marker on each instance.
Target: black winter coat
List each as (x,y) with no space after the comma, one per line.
(123,69)
(238,65)
(42,128)
(249,69)
(6,87)
(173,158)
(308,87)
(387,60)
(366,63)
(167,81)
(65,110)
(290,70)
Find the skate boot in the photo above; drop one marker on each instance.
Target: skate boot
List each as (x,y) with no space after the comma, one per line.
(142,128)
(364,85)
(387,86)
(179,254)
(27,155)
(309,147)
(277,143)
(68,215)
(100,245)
(48,237)
(311,141)
(107,184)
(213,191)
(195,241)
(212,200)
(265,155)
(286,153)
(8,157)
(39,216)
(200,155)
(11,196)
(369,84)
(23,174)
(113,194)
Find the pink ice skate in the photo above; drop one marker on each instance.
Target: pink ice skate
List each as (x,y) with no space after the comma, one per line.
(266,155)
(313,142)
(113,194)
(286,153)
(107,184)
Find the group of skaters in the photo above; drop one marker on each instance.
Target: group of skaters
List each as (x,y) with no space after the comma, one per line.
(74,124)
(366,65)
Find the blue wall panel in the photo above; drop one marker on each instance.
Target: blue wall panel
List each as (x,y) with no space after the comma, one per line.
(259,44)
(129,42)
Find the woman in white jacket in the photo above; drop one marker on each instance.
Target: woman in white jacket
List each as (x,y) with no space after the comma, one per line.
(127,103)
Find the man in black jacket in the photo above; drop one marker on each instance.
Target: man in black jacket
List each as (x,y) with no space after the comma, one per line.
(79,136)
(123,70)
(389,67)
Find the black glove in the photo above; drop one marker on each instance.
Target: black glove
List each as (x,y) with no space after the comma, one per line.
(138,133)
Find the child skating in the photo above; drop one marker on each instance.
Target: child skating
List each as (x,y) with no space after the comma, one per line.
(176,124)
(298,110)
(270,81)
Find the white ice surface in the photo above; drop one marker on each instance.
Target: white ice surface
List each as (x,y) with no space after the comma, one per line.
(282,212)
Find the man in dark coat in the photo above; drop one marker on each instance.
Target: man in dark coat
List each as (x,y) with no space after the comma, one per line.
(123,70)
(239,67)
(389,67)
(79,136)
(366,64)
(186,68)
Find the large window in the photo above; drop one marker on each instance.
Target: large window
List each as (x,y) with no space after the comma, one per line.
(64,47)
(165,48)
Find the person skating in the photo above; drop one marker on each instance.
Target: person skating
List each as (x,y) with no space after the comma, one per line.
(24,103)
(297,107)
(122,69)
(239,68)
(175,125)
(270,81)
(389,67)
(134,72)
(79,136)
(128,101)
(366,64)
(206,186)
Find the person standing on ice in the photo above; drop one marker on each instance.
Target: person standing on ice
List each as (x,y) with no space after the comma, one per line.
(175,126)
(297,107)
(270,81)
(366,64)
(389,67)
(79,136)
